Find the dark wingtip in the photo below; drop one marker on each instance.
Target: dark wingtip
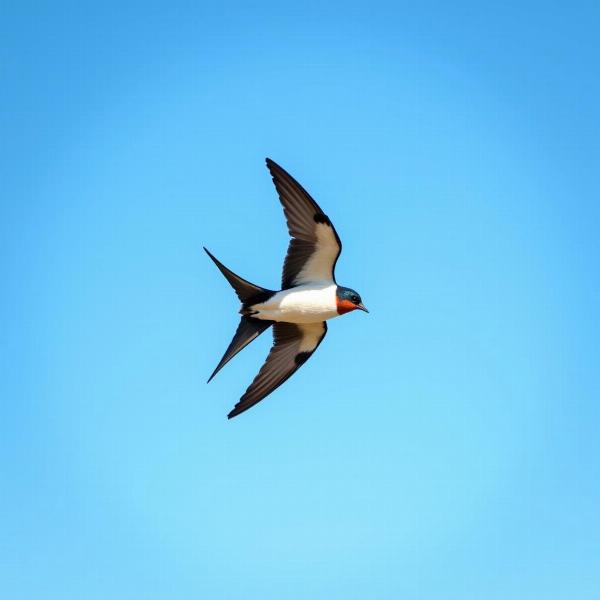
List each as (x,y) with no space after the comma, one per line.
(271,163)
(238,409)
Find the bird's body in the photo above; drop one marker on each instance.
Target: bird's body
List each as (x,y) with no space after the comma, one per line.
(309,295)
(307,303)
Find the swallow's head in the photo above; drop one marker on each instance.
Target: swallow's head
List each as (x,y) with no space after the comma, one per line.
(348,300)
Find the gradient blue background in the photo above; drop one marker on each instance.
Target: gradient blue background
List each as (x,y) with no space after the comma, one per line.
(444,446)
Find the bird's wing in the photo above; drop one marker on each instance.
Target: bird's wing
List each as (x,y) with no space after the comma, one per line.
(293,344)
(315,245)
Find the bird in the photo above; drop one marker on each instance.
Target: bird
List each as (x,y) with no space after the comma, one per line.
(309,294)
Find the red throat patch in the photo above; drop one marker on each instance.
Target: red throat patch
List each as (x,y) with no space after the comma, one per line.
(344,306)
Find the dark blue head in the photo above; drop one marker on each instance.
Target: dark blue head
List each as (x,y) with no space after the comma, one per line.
(348,300)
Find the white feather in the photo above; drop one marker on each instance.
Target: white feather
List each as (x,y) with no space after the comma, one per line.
(302,304)
(319,267)
(312,334)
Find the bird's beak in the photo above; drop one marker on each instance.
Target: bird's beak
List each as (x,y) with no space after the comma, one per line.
(361,306)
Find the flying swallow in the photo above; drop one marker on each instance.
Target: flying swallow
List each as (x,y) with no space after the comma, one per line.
(309,294)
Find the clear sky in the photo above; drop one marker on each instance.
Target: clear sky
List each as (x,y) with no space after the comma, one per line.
(445,446)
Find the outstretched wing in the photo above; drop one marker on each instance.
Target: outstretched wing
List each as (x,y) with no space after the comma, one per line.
(293,345)
(315,245)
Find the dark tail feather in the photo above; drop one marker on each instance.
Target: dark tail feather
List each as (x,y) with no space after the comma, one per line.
(245,290)
(248,329)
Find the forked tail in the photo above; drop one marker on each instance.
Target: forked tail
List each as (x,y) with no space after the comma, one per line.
(249,328)
(247,292)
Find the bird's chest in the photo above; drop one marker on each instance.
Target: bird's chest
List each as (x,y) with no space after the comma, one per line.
(302,305)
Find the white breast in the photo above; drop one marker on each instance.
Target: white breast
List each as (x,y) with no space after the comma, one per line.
(302,304)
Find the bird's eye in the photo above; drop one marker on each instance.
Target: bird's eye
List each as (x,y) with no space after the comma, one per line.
(355,299)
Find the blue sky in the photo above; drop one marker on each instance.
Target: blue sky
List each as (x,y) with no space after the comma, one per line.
(445,445)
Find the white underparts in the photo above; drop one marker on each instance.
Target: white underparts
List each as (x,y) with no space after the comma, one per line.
(312,303)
